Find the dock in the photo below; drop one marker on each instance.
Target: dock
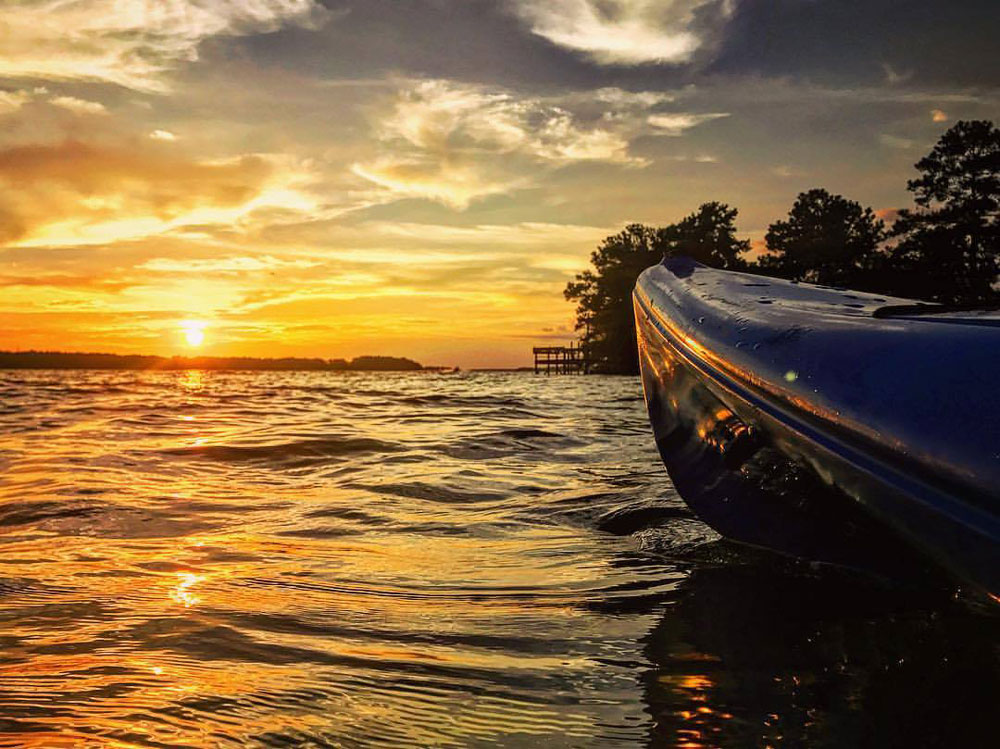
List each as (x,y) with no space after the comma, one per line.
(561,360)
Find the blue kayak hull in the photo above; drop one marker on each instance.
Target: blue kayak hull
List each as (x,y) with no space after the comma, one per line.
(806,420)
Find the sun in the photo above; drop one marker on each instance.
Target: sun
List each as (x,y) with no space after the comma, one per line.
(194,332)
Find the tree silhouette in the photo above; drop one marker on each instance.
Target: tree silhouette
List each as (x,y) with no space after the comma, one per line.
(826,239)
(709,236)
(948,247)
(604,297)
(604,294)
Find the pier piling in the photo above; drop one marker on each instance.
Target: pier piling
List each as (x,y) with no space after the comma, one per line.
(561,360)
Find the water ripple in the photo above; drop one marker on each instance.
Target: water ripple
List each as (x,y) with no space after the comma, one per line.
(336,559)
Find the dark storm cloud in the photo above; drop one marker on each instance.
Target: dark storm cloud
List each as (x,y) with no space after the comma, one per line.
(841,42)
(481,41)
(901,42)
(475,40)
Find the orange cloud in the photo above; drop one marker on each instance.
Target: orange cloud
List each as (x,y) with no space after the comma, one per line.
(87,183)
(889,215)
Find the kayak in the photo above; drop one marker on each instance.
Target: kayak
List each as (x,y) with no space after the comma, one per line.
(825,423)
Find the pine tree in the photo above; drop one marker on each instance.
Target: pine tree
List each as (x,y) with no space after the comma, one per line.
(948,249)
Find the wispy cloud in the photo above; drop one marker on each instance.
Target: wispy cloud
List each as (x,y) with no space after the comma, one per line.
(11,101)
(895,77)
(224,265)
(454,142)
(896,141)
(785,171)
(130,42)
(78,106)
(621,32)
(678,124)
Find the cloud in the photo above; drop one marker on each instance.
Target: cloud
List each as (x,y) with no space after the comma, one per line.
(78,106)
(442,116)
(11,101)
(225,265)
(785,171)
(72,191)
(130,42)
(851,43)
(162,135)
(677,124)
(621,32)
(453,184)
(895,141)
(894,77)
(454,142)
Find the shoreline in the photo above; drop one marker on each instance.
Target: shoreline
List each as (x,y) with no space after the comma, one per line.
(60,360)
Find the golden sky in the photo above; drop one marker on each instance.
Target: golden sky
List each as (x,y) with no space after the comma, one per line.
(291,177)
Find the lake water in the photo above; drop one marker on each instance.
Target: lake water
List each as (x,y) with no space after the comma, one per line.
(322,559)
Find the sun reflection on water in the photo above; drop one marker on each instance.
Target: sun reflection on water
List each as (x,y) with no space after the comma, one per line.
(182,592)
(192,379)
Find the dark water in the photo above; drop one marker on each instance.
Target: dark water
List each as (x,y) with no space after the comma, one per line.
(209,559)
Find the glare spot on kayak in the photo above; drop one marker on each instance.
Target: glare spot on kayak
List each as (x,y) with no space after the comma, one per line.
(791,375)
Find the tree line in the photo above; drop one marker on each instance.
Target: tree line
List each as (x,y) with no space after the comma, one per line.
(946,249)
(74,360)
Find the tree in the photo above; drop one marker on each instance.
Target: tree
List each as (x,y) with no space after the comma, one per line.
(826,239)
(604,297)
(709,236)
(604,294)
(947,249)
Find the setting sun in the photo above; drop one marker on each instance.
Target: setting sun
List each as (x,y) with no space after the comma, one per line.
(194,332)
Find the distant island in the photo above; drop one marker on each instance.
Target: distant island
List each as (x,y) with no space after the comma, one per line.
(65,360)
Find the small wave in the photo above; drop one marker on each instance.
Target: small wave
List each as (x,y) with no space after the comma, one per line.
(432,492)
(29,513)
(82,518)
(319,533)
(347,513)
(510,442)
(624,521)
(450,399)
(529,434)
(28,588)
(293,454)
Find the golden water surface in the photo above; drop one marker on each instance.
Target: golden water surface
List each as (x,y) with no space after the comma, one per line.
(330,559)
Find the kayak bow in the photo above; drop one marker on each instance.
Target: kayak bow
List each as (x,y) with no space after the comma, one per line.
(810,420)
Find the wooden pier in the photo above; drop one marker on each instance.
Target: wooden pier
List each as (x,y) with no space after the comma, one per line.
(561,360)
